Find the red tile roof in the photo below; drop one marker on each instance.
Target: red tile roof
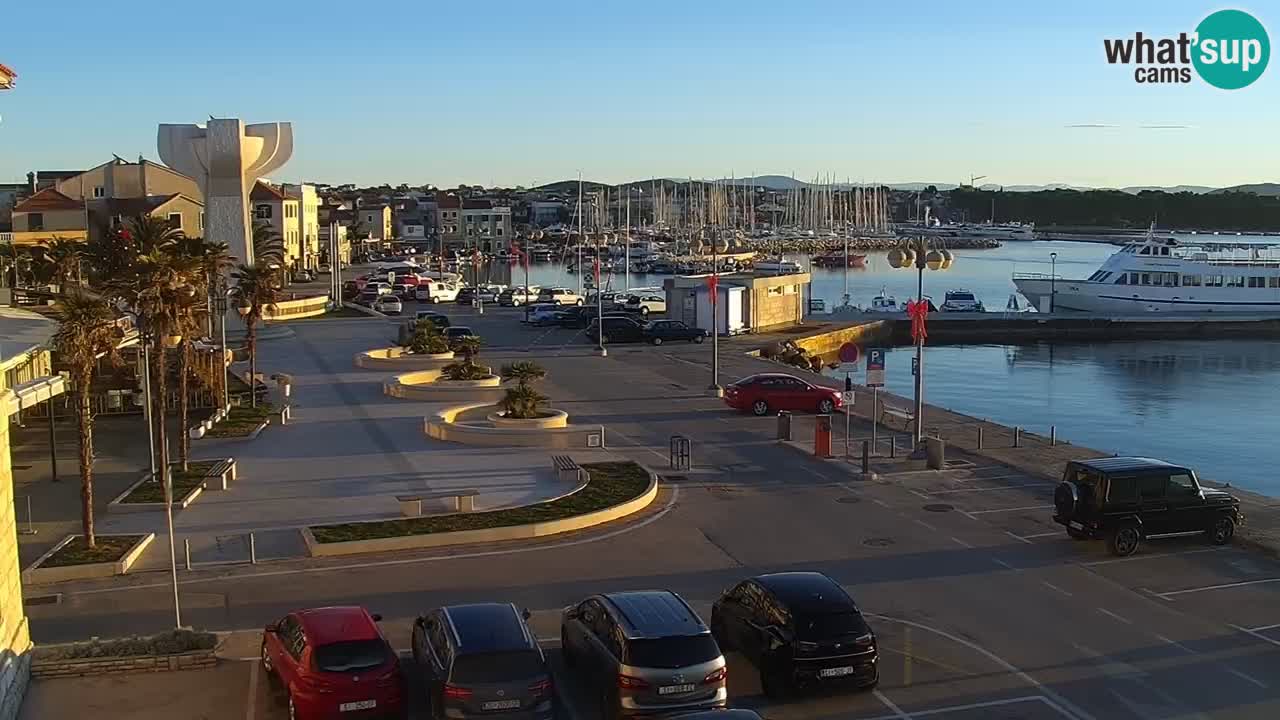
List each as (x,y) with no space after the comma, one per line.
(448,202)
(264,191)
(47,200)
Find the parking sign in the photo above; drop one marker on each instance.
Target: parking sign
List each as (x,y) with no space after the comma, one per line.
(875,367)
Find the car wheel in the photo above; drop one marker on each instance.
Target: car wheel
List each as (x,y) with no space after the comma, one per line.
(760,407)
(570,660)
(644,311)
(1124,540)
(656,341)
(579,303)
(1224,528)
(698,339)
(826,405)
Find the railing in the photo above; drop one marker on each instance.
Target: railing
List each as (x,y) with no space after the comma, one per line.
(297,307)
(1035,276)
(6,237)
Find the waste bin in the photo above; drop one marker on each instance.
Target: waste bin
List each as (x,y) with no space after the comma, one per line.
(935,453)
(784,425)
(822,437)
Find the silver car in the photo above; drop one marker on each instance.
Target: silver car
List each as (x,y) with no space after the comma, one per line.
(644,653)
(481,661)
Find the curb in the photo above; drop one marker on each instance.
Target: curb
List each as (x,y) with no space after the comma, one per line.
(33,574)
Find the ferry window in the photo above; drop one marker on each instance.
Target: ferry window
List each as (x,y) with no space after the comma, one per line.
(1123,279)
(1164,251)
(1171,279)
(1157,278)
(1191,280)
(1104,277)
(1213,281)
(1146,278)
(1145,251)
(1133,278)
(1273,282)
(1257,282)
(1235,281)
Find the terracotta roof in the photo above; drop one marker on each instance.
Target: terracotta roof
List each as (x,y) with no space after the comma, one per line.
(264,191)
(130,207)
(448,202)
(46,200)
(477,205)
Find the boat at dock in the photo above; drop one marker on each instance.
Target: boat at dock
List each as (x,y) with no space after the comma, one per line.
(885,303)
(961,300)
(1162,274)
(776,265)
(839,259)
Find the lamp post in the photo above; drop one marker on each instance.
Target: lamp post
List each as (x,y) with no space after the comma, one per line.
(599,301)
(715,390)
(916,253)
(1053,281)
(223,302)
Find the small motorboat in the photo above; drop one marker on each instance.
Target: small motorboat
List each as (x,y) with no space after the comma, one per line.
(961,300)
(885,303)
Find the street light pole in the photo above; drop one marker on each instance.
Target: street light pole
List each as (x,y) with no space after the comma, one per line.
(919,379)
(1053,281)
(715,390)
(599,301)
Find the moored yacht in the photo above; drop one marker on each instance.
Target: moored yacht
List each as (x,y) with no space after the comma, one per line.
(1162,275)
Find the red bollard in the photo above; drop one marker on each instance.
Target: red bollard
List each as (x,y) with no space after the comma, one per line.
(822,437)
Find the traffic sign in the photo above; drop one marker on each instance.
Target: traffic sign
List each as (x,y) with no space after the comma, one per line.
(850,353)
(915,366)
(847,397)
(875,367)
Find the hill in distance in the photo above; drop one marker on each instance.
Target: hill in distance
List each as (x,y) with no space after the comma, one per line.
(784,182)
(1255,188)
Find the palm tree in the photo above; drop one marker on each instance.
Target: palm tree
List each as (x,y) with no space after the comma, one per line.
(268,248)
(523,401)
(63,258)
(8,264)
(86,331)
(257,288)
(468,346)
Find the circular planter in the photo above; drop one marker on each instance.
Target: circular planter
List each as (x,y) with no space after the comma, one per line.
(399,358)
(552,419)
(488,381)
(197,432)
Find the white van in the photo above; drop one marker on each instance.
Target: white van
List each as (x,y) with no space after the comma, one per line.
(435,291)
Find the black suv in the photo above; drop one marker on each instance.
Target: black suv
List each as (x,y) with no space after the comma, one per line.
(617,329)
(1125,499)
(481,661)
(797,628)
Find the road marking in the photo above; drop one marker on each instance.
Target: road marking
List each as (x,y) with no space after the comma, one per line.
(926,525)
(897,711)
(1055,588)
(880,502)
(988,489)
(1176,644)
(1040,535)
(1260,636)
(1265,628)
(1057,701)
(1017,537)
(251,707)
(675,495)
(1224,586)
(1114,616)
(1248,678)
(1004,564)
(1017,509)
(960,542)
(636,444)
(1132,558)
(919,494)
(978,706)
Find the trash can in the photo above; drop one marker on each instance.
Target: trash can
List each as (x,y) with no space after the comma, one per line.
(935,453)
(784,425)
(822,437)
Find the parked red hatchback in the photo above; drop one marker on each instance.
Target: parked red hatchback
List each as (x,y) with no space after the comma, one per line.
(770,392)
(333,663)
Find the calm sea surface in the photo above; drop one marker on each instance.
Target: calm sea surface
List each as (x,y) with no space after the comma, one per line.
(1214,405)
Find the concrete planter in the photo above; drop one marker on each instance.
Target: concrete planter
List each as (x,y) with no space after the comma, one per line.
(472,424)
(219,481)
(553,419)
(398,358)
(467,537)
(83,667)
(427,386)
(37,575)
(198,431)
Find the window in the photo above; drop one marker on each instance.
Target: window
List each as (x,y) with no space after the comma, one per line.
(1257,282)
(1171,279)
(1133,278)
(175,221)
(499,231)
(1122,490)
(1273,282)
(497,667)
(1213,280)
(351,655)
(99,191)
(1181,484)
(829,625)
(262,212)
(1123,279)
(1146,278)
(1151,487)
(1235,281)
(1191,280)
(672,652)
(202,221)
(1164,251)
(1145,251)
(1157,278)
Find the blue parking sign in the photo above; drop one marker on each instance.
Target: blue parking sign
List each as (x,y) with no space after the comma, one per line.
(875,367)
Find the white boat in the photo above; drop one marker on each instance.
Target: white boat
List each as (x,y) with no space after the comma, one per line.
(1162,275)
(780,267)
(885,303)
(994,231)
(961,300)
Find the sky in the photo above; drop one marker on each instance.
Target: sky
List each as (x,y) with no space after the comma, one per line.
(523,93)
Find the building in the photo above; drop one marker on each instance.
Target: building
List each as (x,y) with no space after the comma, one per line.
(46,215)
(543,213)
(270,206)
(772,301)
(182,213)
(120,178)
(344,244)
(308,223)
(473,224)
(8,78)
(376,221)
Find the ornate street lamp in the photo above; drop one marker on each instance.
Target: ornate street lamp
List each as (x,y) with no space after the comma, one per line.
(920,253)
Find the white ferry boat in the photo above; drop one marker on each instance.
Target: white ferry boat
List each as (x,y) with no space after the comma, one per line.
(778,266)
(1163,275)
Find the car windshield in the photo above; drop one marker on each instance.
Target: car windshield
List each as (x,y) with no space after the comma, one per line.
(350,655)
(828,625)
(672,652)
(496,667)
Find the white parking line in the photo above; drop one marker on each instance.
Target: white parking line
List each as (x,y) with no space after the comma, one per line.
(988,489)
(1258,635)
(1133,558)
(1176,644)
(880,502)
(1114,616)
(960,542)
(1051,586)
(1040,535)
(1248,678)
(1265,628)
(897,711)
(926,525)
(1017,537)
(1224,586)
(1003,564)
(1015,509)
(251,706)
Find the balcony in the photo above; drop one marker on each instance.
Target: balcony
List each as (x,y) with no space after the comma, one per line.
(37,236)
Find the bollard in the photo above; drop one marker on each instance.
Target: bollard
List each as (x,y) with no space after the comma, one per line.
(979,437)
(186,551)
(31,528)
(1053,435)
(893,446)
(866,457)
(253,551)
(1017,437)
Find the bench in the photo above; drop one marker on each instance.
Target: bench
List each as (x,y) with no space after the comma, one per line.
(566,469)
(463,501)
(223,472)
(907,417)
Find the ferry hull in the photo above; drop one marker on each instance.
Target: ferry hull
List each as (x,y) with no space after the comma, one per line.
(1084,296)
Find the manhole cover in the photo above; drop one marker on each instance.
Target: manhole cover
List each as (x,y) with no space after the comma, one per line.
(849,499)
(878,542)
(940,507)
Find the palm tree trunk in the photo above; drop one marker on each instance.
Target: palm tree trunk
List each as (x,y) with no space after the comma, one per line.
(84,427)
(251,339)
(184,405)
(160,404)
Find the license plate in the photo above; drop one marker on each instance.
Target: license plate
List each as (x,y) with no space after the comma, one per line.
(501,705)
(835,672)
(674,689)
(361,705)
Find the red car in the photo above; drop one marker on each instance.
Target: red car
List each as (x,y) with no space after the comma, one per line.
(334,664)
(770,392)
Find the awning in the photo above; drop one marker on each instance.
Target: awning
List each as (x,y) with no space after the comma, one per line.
(37,391)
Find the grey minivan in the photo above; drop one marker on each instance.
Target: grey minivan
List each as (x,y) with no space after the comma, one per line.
(644,653)
(481,660)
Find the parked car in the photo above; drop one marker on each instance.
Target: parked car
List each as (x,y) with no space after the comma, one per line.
(435,291)
(559,296)
(350,289)
(1127,499)
(382,287)
(797,628)
(490,293)
(388,305)
(647,303)
(644,653)
(544,314)
(466,296)
(441,320)
(617,329)
(660,331)
(482,660)
(404,291)
(455,333)
(368,297)
(575,316)
(770,392)
(303,275)
(333,663)
(516,296)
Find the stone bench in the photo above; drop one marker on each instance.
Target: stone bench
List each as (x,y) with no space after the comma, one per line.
(567,470)
(463,501)
(221,474)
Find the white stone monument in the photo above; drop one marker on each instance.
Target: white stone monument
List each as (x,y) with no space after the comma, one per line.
(226,157)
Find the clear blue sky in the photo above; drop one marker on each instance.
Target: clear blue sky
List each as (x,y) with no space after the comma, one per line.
(529,92)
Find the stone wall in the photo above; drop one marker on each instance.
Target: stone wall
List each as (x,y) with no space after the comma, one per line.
(81,667)
(15,652)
